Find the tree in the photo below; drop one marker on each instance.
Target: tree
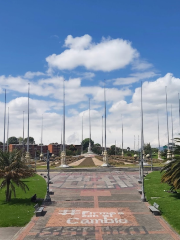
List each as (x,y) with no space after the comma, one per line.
(85,143)
(31,140)
(1,143)
(12,171)
(147,148)
(20,140)
(171,171)
(112,150)
(97,148)
(13,140)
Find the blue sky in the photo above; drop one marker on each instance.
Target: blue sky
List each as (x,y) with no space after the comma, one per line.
(145,32)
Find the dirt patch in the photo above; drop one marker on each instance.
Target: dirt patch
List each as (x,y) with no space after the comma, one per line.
(88,162)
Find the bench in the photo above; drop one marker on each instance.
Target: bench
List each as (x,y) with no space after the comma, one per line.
(38,210)
(154,209)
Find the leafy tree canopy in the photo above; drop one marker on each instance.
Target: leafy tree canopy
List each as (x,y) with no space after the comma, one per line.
(85,143)
(13,140)
(31,140)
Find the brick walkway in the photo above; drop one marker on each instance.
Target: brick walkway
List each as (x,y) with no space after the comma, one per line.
(96,206)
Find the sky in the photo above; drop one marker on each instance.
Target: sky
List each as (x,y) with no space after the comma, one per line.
(87,44)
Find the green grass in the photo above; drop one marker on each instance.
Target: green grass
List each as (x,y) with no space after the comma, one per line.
(20,210)
(169,203)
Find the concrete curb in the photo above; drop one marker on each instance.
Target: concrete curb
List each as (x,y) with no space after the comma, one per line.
(98,169)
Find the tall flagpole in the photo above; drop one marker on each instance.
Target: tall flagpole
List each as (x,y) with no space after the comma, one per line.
(89,148)
(179,110)
(105,157)
(23,139)
(168,151)
(122,138)
(41,133)
(159,152)
(23,127)
(63,153)
(172,132)
(115,147)
(134,143)
(4,122)
(102,135)
(82,138)
(28,121)
(27,153)
(61,139)
(143,199)
(8,131)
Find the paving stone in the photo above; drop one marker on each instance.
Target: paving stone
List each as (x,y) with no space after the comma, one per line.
(96,206)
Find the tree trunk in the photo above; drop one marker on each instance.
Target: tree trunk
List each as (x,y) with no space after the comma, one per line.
(8,191)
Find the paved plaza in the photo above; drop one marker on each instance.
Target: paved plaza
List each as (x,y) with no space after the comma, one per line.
(96,206)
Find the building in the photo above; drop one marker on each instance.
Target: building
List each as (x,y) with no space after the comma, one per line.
(55,149)
(34,149)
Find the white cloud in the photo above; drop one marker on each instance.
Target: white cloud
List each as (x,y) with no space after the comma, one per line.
(108,55)
(31,75)
(87,75)
(78,42)
(134,77)
(141,65)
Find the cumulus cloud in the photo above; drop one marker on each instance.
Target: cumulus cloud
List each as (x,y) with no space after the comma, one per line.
(153,100)
(141,65)
(108,55)
(30,74)
(134,77)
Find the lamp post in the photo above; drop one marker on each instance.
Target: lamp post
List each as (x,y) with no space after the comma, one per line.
(48,198)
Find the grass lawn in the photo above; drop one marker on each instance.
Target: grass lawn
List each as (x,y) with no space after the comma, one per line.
(20,210)
(169,203)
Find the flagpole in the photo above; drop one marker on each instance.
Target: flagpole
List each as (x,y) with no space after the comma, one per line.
(27,157)
(143,199)
(63,153)
(105,157)
(102,135)
(122,137)
(41,133)
(89,148)
(8,131)
(172,132)
(168,151)
(4,122)
(179,109)
(82,138)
